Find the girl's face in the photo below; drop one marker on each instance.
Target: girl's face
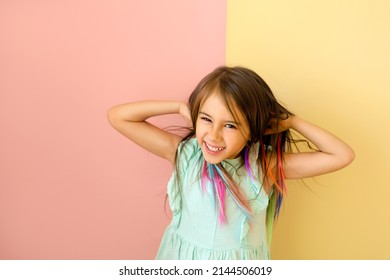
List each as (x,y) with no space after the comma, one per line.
(219,135)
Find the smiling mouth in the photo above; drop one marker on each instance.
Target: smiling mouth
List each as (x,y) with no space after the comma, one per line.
(212,148)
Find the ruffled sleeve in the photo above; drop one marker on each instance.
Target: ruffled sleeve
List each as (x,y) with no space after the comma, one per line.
(187,153)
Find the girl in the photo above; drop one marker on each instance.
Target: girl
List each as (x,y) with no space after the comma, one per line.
(230,169)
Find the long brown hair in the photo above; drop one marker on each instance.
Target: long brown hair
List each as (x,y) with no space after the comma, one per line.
(243,89)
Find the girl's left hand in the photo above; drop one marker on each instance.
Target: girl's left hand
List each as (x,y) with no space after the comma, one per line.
(276,127)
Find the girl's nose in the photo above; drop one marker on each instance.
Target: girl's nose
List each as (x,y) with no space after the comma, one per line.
(214,133)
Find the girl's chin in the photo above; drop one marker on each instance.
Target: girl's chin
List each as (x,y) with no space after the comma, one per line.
(213,159)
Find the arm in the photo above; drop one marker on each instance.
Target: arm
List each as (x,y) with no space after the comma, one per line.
(333,153)
(130,120)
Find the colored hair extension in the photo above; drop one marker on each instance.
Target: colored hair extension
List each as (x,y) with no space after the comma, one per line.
(280,184)
(247,164)
(221,182)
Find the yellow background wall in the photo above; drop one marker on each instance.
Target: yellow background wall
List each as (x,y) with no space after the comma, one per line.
(329,62)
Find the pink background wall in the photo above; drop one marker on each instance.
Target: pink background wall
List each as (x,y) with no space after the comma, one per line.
(70,186)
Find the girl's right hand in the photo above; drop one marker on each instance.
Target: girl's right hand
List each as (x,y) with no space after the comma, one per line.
(185,112)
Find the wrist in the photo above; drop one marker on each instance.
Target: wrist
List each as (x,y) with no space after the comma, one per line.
(293,122)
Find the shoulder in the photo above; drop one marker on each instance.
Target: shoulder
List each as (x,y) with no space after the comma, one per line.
(252,155)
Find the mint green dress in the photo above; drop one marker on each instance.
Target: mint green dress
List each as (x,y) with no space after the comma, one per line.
(195,232)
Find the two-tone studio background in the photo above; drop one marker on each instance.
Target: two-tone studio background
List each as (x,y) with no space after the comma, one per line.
(73,188)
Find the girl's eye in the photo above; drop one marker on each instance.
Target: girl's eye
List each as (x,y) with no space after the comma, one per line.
(205,119)
(230,126)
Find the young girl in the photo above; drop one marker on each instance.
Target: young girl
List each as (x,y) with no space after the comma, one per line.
(230,169)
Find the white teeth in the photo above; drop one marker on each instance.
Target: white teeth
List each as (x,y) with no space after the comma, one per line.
(214,149)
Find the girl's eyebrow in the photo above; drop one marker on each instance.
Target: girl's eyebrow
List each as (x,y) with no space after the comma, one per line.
(226,121)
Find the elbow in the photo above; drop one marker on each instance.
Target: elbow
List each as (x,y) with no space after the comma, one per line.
(348,158)
(112,116)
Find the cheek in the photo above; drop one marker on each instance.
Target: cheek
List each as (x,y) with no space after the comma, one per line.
(240,141)
(198,130)
(245,136)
